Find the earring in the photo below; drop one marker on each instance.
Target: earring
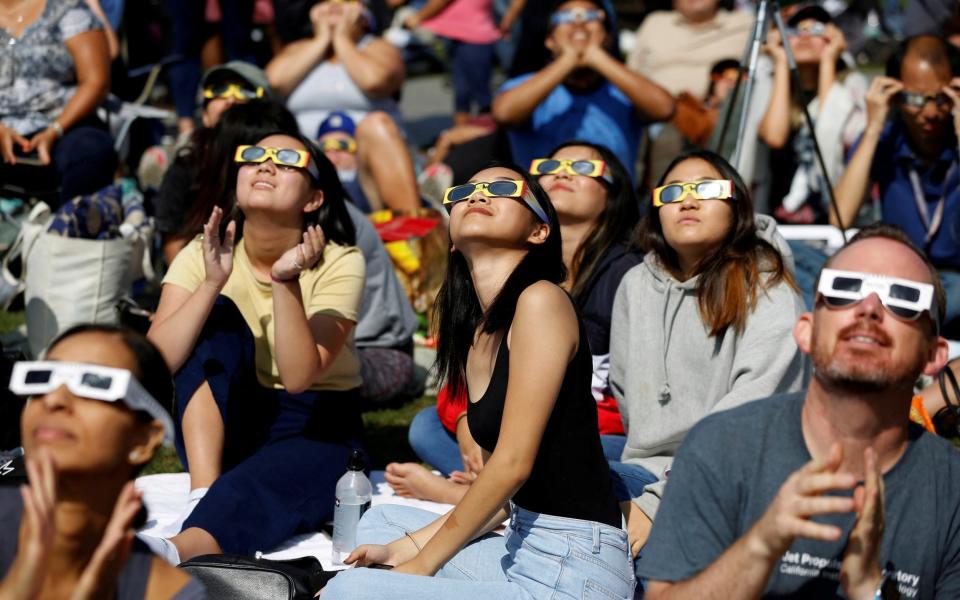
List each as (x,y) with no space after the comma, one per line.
(134,455)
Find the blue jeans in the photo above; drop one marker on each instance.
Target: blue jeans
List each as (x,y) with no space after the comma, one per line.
(807,261)
(541,556)
(472,67)
(435,445)
(629,480)
(190,31)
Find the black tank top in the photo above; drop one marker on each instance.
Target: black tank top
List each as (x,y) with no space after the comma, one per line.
(570,477)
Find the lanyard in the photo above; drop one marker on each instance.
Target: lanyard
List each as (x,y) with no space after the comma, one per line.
(921,201)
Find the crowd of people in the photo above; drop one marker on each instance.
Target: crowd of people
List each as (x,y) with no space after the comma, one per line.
(659,393)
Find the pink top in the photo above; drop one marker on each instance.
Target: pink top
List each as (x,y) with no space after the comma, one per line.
(469,21)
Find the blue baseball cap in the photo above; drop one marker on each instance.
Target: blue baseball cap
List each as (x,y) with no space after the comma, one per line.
(337,121)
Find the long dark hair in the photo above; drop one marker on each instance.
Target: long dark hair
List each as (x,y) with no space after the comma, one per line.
(616,224)
(212,150)
(732,277)
(457,311)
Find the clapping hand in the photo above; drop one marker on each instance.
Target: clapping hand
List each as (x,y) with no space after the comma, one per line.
(350,20)
(803,495)
(99,578)
(301,257)
(860,573)
(37,530)
(217,253)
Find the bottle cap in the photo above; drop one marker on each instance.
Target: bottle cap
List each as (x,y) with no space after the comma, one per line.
(356,461)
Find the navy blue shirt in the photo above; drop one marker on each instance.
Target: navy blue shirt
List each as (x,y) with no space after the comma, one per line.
(939,180)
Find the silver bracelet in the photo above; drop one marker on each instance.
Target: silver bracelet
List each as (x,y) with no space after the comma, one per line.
(57,128)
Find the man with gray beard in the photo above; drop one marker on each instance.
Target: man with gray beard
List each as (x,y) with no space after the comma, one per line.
(828,493)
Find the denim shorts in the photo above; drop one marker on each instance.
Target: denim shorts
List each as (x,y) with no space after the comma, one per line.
(541,557)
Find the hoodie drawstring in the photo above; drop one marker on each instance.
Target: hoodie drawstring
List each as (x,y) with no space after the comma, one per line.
(663,396)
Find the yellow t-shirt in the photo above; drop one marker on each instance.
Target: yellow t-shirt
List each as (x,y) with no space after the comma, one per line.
(334,288)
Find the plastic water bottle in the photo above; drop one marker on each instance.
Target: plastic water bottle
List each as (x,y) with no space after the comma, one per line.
(353,499)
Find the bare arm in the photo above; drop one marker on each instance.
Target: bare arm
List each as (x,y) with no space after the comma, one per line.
(92,61)
(515,105)
(428,10)
(774,129)
(510,15)
(852,188)
(543,339)
(292,64)
(92,64)
(181,314)
(309,347)
(377,69)
(112,43)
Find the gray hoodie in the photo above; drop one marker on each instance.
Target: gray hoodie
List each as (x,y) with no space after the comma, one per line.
(667,373)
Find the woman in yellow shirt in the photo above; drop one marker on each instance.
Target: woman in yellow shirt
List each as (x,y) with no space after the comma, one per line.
(256,320)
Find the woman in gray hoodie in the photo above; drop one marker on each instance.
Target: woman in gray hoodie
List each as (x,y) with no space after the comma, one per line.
(702,325)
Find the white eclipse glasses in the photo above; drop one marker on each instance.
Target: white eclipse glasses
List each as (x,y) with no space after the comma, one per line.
(94,382)
(903,298)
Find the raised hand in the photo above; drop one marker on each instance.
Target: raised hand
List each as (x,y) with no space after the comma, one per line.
(952,90)
(217,253)
(322,29)
(301,257)
(860,573)
(774,47)
(836,44)
(99,578)
(350,19)
(879,94)
(799,498)
(37,530)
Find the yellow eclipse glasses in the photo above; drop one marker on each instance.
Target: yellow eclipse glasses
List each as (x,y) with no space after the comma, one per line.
(236,91)
(339,144)
(707,189)
(504,188)
(282,157)
(587,168)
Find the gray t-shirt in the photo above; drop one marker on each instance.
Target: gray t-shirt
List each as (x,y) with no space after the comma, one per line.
(386,318)
(731,466)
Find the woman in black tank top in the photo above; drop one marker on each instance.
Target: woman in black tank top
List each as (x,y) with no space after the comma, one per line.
(511,338)
(97,412)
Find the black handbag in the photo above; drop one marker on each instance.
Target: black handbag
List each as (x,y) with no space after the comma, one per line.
(947,419)
(245,578)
